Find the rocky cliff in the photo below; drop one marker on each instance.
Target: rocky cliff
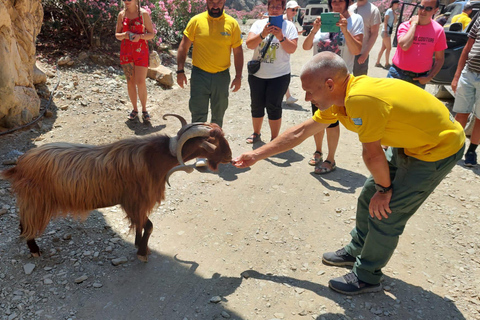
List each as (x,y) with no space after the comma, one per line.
(20,23)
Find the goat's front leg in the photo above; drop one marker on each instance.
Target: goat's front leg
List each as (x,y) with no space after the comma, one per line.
(143,250)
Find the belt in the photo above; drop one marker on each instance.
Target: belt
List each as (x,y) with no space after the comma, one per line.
(410,73)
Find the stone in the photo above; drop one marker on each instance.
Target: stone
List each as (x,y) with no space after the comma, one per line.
(215,299)
(119,261)
(162,75)
(28,268)
(81,279)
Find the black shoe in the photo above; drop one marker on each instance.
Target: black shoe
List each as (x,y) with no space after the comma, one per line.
(350,285)
(339,258)
(470,159)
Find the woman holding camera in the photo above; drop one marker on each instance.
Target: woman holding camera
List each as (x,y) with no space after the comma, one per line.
(134,28)
(269,84)
(387,29)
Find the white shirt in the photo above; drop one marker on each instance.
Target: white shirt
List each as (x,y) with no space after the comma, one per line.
(276,62)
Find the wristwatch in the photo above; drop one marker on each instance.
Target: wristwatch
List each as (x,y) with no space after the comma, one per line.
(180,71)
(383,189)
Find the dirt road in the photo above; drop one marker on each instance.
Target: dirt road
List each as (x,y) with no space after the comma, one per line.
(237,244)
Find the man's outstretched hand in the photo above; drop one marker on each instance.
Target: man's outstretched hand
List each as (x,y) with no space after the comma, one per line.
(245,160)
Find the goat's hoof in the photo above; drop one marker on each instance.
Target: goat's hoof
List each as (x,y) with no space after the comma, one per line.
(35,254)
(142,258)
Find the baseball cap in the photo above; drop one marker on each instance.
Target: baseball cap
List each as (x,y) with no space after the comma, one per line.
(395,1)
(292,5)
(467,6)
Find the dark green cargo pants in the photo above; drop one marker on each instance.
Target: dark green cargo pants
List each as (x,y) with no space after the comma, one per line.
(373,240)
(208,87)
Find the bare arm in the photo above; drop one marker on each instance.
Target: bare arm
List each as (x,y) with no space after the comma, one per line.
(376,162)
(461,63)
(286,141)
(406,41)
(181,58)
(147,21)
(253,39)
(373,37)
(119,34)
(308,42)
(238,62)
(354,43)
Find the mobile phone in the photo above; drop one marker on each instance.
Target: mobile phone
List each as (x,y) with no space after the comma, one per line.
(276,21)
(131,36)
(329,22)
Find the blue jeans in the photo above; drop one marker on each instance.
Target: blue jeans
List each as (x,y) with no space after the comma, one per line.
(397,74)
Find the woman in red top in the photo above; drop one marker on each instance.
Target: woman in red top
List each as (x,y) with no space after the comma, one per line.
(134,29)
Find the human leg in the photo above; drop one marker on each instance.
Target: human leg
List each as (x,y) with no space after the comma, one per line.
(275,89)
(140,76)
(374,241)
(257,105)
(129,71)
(200,84)
(467,100)
(333,136)
(387,42)
(380,54)
(219,97)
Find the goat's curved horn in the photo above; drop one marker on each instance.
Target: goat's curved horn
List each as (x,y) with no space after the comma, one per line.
(197,130)
(187,169)
(182,119)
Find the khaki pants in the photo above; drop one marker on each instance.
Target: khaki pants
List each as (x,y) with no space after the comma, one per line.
(373,240)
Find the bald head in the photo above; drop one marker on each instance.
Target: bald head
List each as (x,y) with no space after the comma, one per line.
(325,65)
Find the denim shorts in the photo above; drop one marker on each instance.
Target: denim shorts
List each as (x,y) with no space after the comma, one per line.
(467,98)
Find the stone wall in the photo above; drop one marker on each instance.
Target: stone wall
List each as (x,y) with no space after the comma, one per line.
(20,23)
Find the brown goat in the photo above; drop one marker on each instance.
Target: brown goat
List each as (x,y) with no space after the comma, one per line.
(58,179)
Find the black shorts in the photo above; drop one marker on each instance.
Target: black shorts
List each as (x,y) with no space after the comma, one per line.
(314,109)
(267,94)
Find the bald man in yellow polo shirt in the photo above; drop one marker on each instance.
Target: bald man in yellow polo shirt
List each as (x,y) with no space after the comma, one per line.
(425,143)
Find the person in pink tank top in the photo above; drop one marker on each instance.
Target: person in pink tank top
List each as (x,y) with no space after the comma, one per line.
(134,28)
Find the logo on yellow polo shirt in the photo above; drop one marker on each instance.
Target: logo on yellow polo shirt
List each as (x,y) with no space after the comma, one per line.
(357,121)
(224,33)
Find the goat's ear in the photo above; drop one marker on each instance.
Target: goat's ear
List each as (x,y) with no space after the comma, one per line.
(209,147)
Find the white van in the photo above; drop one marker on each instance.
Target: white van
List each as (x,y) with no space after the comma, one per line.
(312,11)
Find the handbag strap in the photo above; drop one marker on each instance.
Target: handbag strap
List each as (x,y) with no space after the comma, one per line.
(264,50)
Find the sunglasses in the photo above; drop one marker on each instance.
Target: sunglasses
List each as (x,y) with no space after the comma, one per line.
(428,9)
(294,10)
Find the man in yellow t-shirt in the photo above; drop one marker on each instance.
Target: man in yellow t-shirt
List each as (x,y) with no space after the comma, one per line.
(464,17)
(426,142)
(214,34)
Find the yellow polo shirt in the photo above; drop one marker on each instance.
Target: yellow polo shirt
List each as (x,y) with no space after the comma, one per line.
(399,114)
(463,18)
(213,40)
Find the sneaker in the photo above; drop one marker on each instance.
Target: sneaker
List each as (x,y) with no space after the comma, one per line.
(201,162)
(470,159)
(350,285)
(339,258)
(291,100)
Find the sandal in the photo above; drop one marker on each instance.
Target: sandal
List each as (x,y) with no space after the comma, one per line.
(378,65)
(132,115)
(323,170)
(387,66)
(316,160)
(254,137)
(145,116)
